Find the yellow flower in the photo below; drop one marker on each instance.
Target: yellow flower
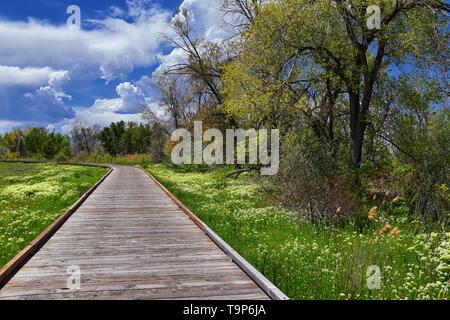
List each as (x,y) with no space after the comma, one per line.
(373,213)
(387,227)
(394,232)
(396,200)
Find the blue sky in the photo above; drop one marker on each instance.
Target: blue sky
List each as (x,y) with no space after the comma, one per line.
(50,75)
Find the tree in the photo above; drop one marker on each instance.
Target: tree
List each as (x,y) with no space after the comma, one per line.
(175,100)
(243,12)
(55,144)
(122,138)
(36,142)
(298,49)
(112,138)
(13,141)
(418,127)
(203,65)
(160,133)
(84,137)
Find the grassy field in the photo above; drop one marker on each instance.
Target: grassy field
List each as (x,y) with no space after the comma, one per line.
(32,196)
(308,261)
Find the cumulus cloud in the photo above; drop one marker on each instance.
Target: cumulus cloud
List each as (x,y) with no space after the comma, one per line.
(6,126)
(206,18)
(107,105)
(113,48)
(49,100)
(33,94)
(39,59)
(15,76)
(132,98)
(147,85)
(176,56)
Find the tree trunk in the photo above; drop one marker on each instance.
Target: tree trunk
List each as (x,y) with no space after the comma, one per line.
(357,128)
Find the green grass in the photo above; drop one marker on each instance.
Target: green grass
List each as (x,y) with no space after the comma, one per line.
(309,261)
(32,196)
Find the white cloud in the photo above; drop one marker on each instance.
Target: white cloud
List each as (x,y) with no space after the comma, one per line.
(33,94)
(57,80)
(207,19)
(93,117)
(49,100)
(146,84)
(15,76)
(113,49)
(176,56)
(6,126)
(131,99)
(107,105)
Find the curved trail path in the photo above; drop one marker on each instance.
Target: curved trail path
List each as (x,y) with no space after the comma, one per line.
(130,240)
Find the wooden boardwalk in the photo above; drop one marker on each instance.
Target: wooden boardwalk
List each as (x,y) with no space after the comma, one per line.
(130,240)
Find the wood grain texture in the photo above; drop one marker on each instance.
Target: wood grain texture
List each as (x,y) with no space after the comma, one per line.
(131,241)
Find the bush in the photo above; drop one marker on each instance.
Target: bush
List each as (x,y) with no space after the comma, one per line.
(8,155)
(309,181)
(61,157)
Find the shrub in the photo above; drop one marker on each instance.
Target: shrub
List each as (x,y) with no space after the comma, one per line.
(309,181)
(61,157)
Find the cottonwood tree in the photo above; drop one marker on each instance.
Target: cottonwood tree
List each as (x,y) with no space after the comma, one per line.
(13,141)
(295,46)
(202,68)
(122,138)
(176,99)
(416,123)
(36,142)
(84,137)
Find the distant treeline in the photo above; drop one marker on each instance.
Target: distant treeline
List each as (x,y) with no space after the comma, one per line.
(37,142)
(118,139)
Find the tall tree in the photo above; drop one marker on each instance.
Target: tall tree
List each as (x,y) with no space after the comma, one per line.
(13,141)
(203,61)
(122,138)
(84,137)
(176,100)
(329,46)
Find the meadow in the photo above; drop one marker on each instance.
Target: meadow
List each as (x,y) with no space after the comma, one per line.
(32,196)
(311,261)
